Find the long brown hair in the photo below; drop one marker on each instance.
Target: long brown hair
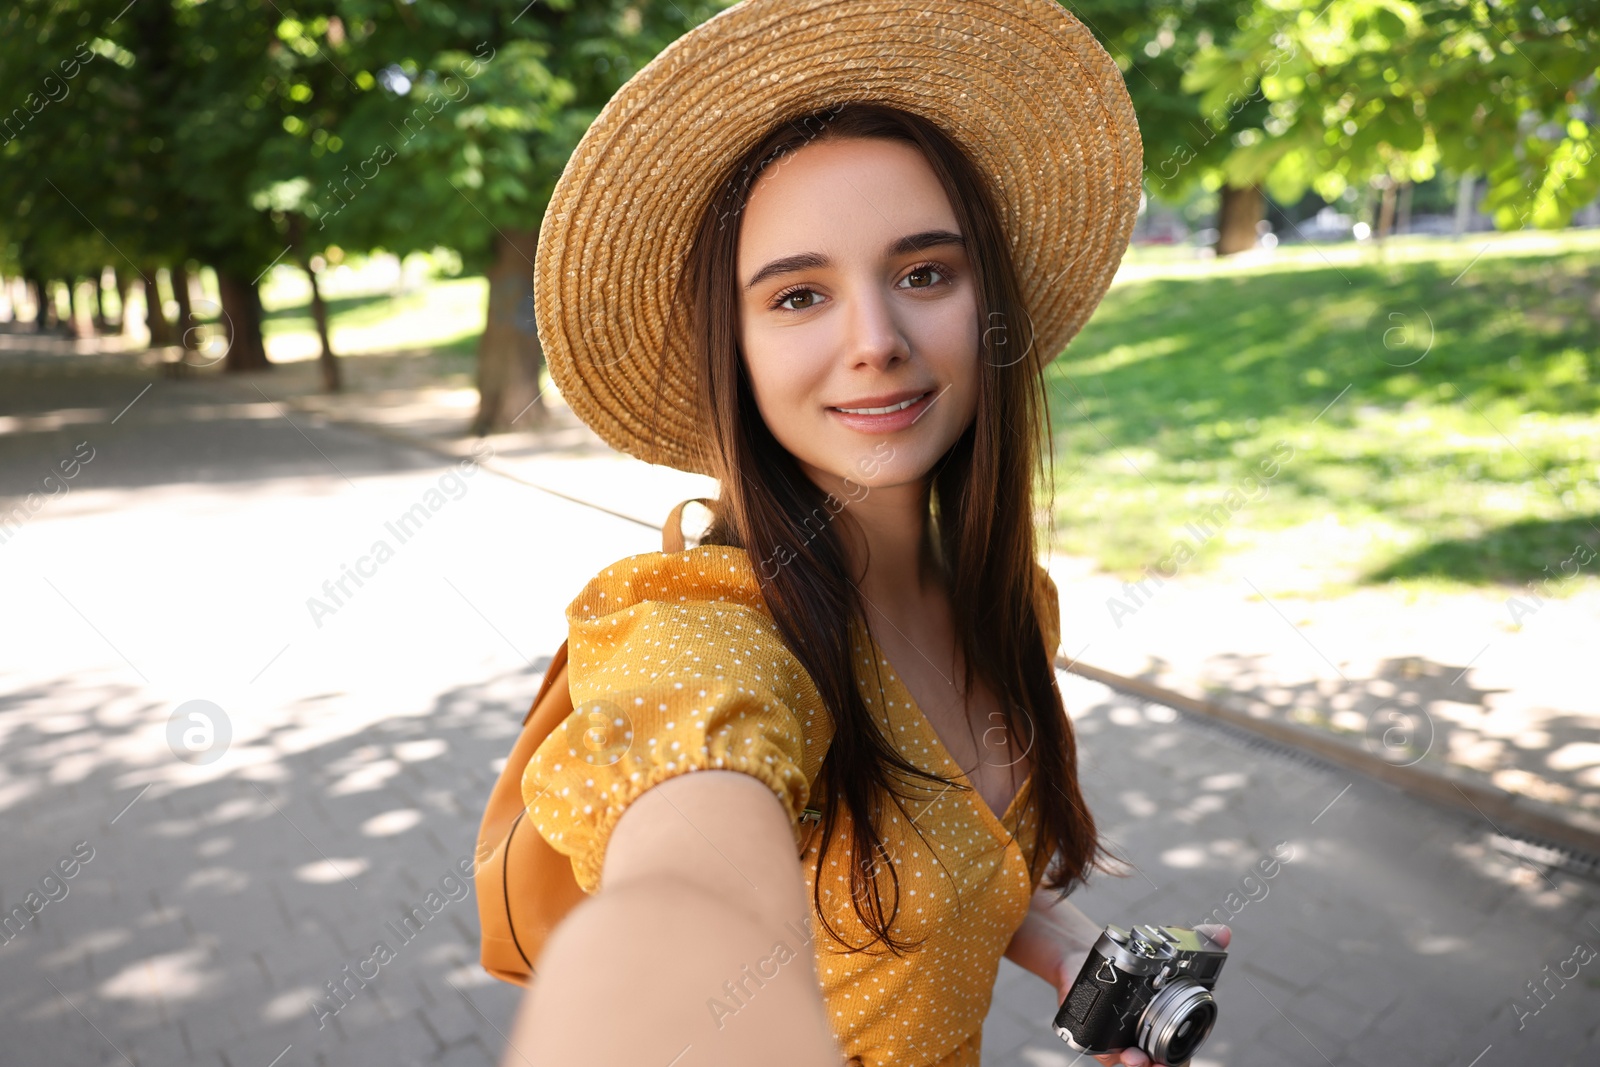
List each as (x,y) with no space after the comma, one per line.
(980,503)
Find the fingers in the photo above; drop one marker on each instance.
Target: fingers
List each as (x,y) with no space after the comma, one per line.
(1133,1057)
(1216,932)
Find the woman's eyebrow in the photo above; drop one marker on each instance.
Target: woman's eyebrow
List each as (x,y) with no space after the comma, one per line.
(813,260)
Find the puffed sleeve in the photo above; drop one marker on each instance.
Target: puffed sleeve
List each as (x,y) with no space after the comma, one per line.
(674,666)
(1047,603)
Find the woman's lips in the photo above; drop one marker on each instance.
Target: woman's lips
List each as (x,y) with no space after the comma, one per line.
(885,421)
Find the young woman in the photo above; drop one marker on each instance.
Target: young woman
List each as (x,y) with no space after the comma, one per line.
(849,305)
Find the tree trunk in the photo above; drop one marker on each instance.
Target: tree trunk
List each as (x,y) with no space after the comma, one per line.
(81,314)
(241,314)
(188,336)
(124,290)
(155,316)
(332,381)
(100,324)
(327,362)
(1241,208)
(1465,194)
(1402,221)
(1386,209)
(509,356)
(41,303)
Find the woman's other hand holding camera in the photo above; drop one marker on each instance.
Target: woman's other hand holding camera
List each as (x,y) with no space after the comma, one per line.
(1072,963)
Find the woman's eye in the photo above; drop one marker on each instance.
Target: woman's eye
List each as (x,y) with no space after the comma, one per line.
(803,299)
(806,297)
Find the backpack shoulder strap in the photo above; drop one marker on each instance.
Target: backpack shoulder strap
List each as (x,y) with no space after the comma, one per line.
(672,530)
(556,670)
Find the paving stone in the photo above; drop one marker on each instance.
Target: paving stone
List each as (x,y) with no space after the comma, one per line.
(156,1046)
(468,1053)
(1373,989)
(1301,1042)
(279,1046)
(1329,1012)
(211,1027)
(451,1023)
(404,1041)
(74,1043)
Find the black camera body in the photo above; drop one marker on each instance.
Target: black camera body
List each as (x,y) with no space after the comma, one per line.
(1147,988)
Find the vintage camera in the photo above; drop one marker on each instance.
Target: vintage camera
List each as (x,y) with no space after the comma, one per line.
(1147,988)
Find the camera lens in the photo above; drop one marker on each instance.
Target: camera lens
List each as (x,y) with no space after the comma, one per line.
(1193,1030)
(1176,1021)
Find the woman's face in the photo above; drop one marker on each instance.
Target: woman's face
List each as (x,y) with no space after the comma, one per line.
(858,312)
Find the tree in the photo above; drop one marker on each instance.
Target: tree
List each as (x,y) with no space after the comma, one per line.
(1387,91)
(446,125)
(474,114)
(1186,142)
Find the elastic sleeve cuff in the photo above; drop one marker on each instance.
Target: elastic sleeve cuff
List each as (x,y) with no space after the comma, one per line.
(576,805)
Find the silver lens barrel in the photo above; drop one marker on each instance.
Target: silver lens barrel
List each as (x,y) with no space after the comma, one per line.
(1176,1021)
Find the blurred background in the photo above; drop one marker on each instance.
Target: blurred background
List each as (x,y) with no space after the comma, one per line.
(1324,513)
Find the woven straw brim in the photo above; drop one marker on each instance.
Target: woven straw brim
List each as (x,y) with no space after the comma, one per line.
(1020,85)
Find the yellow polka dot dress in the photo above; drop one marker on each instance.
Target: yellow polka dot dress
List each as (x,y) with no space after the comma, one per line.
(676,666)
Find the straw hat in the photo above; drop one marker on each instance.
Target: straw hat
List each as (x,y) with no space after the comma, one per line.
(1020,85)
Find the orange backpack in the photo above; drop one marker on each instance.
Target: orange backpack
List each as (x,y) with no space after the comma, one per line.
(525,887)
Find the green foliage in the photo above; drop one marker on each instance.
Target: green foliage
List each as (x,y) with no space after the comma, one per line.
(1394,89)
(1154,43)
(228,130)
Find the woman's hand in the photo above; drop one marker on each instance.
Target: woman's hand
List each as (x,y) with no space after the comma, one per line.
(1073,963)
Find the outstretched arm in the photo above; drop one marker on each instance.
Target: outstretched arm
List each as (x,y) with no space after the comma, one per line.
(701,881)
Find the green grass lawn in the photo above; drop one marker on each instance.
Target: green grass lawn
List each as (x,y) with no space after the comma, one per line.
(1443,432)
(442,317)
(447,313)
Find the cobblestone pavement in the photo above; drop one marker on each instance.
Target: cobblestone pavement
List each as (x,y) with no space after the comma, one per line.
(210,903)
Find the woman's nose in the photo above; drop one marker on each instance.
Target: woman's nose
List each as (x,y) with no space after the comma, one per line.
(873,336)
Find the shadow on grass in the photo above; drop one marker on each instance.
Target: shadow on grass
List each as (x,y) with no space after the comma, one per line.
(1197,359)
(1506,554)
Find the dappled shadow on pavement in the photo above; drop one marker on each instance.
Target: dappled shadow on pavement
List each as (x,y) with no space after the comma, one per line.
(217,907)
(1413,711)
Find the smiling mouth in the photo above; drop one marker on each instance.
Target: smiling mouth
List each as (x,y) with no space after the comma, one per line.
(884,410)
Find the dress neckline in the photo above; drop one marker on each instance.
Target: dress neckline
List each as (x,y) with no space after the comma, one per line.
(1002,825)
